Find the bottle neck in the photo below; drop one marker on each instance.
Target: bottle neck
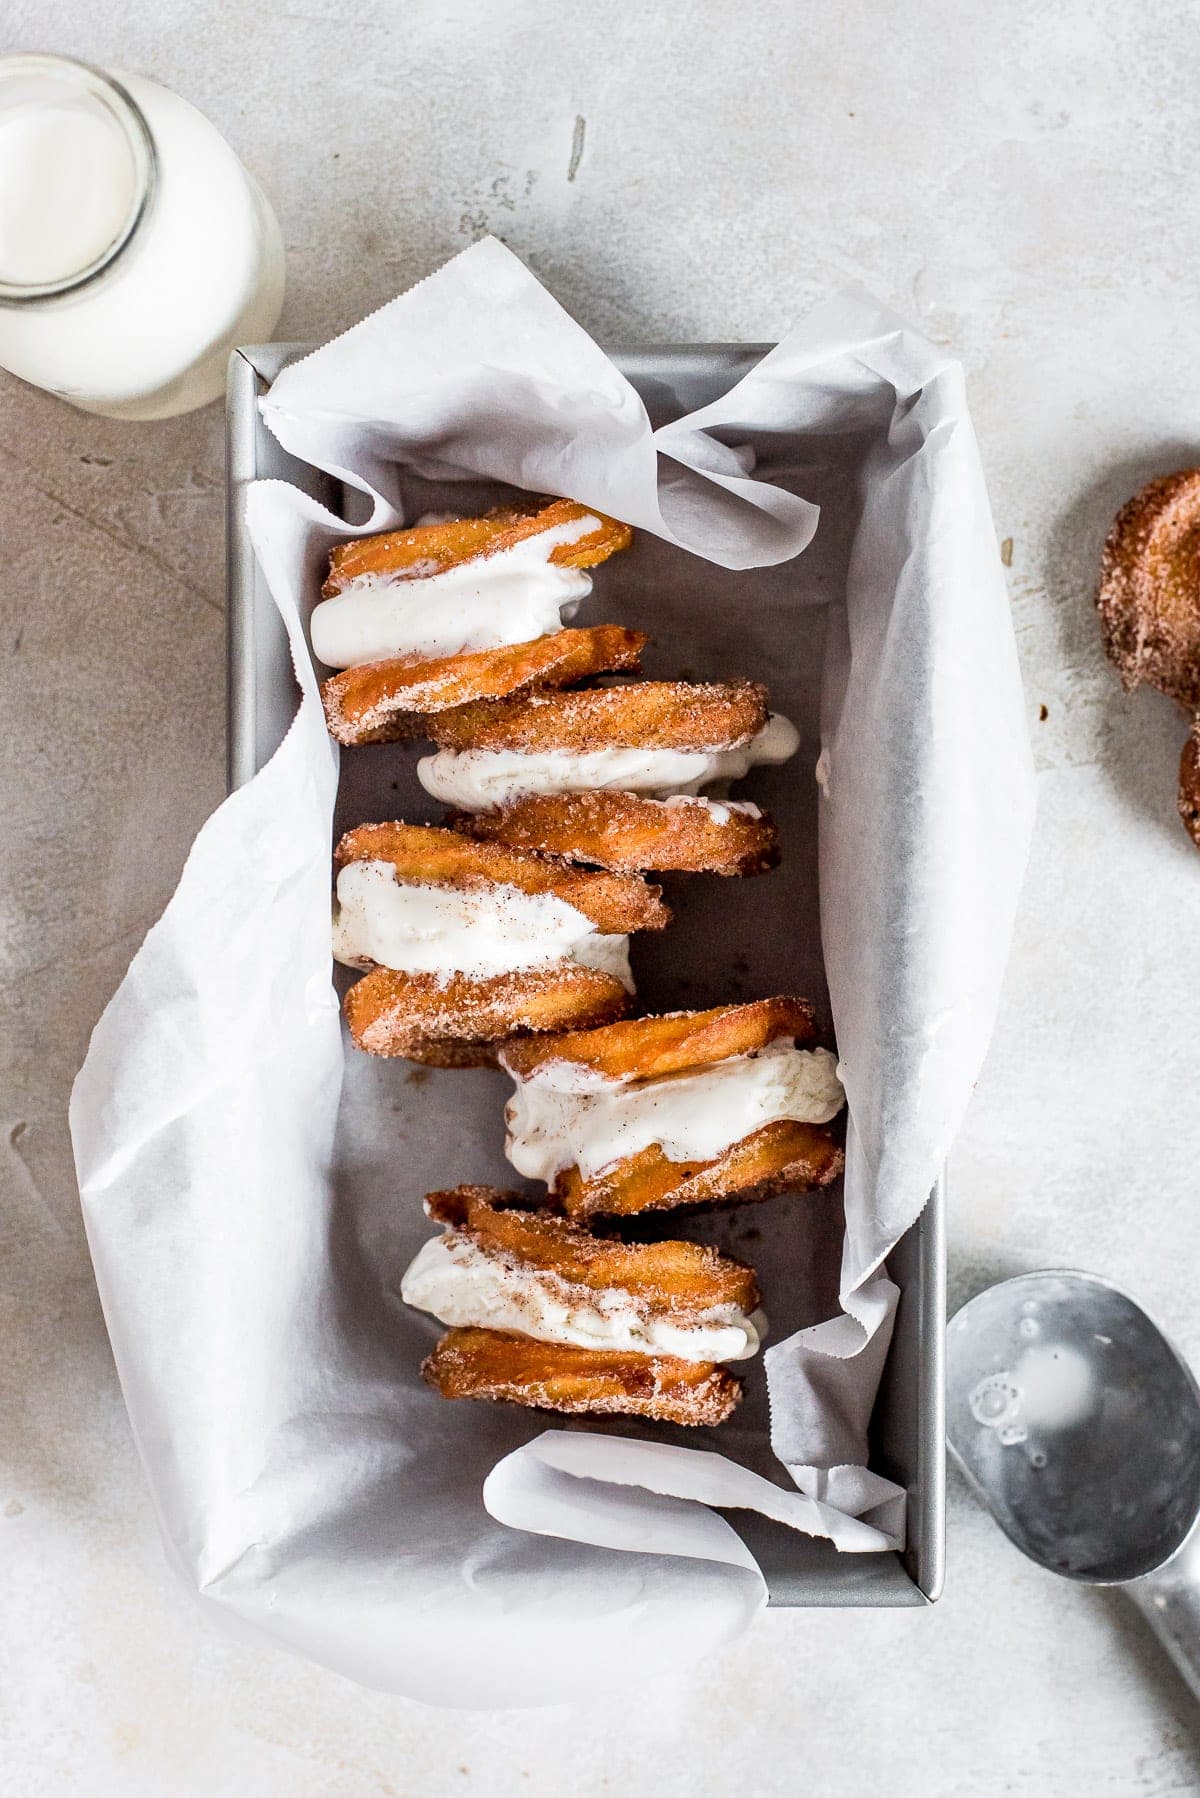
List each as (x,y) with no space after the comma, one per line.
(77,176)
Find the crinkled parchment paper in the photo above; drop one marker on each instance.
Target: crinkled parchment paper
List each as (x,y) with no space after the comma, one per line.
(249,1218)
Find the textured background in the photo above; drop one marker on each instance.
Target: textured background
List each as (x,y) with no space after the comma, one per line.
(1019,181)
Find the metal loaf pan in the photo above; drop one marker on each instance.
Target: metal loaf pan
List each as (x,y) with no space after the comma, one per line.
(908,1424)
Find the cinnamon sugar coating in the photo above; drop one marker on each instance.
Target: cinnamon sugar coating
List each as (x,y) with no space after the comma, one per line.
(671,1042)
(627,832)
(381,702)
(675,1279)
(643,715)
(434,1020)
(433,548)
(1149,596)
(783,1156)
(470,1363)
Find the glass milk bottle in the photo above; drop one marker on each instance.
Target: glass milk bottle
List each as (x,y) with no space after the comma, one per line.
(135,250)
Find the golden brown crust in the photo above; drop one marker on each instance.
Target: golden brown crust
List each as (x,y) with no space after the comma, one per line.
(647,1048)
(382,702)
(432,548)
(597,1382)
(673,1279)
(1149,597)
(643,715)
(628,833)
(420,1016)
(781,1157)
(424,549)
(1189,783)
(452,1205)
(428,854)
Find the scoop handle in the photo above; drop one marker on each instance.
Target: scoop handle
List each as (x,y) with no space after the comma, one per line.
(1169,1600)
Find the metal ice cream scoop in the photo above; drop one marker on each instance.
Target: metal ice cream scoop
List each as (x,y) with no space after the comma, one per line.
(1078,1424)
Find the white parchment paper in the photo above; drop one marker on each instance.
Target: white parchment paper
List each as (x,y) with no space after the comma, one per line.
(245,1220)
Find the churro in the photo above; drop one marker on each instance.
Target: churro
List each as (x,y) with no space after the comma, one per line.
(451,543)
(380,702)
(471,1363)
(1149,596)
(627,832)
(657,714)
(456,1021)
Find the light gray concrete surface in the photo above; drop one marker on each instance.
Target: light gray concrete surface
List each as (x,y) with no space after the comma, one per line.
(1018,180)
